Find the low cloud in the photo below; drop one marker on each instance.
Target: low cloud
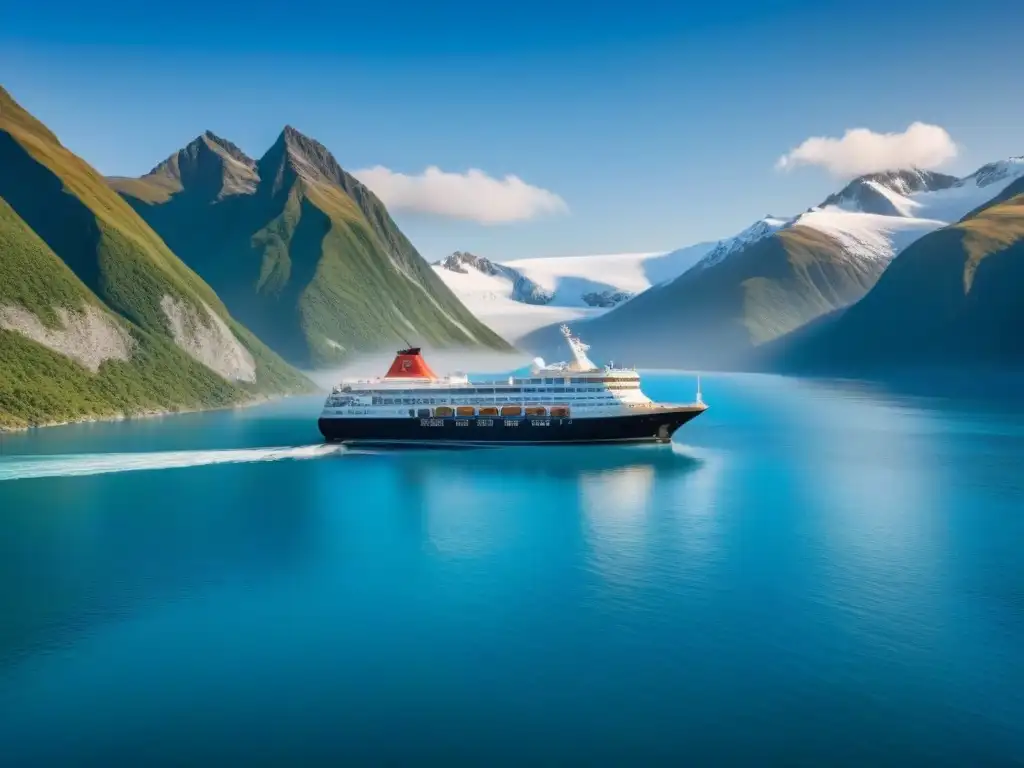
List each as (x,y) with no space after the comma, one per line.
(861,150)
(472,196)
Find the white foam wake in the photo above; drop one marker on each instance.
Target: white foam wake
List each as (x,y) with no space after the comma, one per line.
(72,465)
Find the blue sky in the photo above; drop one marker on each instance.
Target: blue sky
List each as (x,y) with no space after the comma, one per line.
(648,126)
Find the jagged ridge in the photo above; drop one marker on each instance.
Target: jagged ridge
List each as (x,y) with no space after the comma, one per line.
(80,268)
(309,257)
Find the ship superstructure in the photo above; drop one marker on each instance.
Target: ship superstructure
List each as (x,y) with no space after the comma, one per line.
(573,402)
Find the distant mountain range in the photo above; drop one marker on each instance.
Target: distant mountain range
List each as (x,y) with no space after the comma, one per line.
(106,303)
(781,274)
(950,299)
(299,250)
(517,297)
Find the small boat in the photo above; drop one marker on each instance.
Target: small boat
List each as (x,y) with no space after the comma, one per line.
(465,410)
(511,410)
(536,410)
(559,412)
(487,411)
(443,412)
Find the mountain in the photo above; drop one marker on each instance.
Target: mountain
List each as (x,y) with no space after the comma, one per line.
(780,274)
(888,193)
(521,288)
(951,299)
(923,194)
(517,297)
(299,250)
(711,316)
(98,317)
(724,248)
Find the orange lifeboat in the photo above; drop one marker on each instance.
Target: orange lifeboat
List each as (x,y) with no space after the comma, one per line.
(511,410)
(465,410)
(443,411)
(560,412)
(536,410)
(488,411)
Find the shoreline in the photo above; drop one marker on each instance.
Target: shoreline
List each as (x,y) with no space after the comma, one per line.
(258,400)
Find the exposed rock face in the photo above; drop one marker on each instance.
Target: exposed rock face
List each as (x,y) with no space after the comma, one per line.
(208,340)
(523,288)
(89,337)
(606,298)
(300,251)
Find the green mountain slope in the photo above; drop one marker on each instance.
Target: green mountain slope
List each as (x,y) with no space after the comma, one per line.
(951,299)
(714,316)
(300,251)
(97,315)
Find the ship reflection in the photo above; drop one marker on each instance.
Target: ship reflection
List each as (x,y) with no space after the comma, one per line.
(471,503)
(540,462)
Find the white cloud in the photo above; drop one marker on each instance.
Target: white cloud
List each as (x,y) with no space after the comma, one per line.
(861,150)
(472,195)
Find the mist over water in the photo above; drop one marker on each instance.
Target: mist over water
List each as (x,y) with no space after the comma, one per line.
(813,572)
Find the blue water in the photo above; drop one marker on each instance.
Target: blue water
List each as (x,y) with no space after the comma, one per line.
(813,574)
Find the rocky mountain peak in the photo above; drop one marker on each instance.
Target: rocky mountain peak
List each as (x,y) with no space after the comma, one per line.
(990,173)
(210,166)
(459,260)
(296,155)
(308,157)
(874,192)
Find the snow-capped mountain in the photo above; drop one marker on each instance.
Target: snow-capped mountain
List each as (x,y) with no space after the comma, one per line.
(923,194)
(521,288)
(877,215)
(516,297)
(779,274)
(759,229)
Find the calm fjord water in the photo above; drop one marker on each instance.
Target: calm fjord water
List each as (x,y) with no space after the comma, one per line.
(813,574)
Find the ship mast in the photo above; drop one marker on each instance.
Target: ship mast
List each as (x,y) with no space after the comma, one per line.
(579,352)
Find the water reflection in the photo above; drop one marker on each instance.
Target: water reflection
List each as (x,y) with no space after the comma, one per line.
(615,505)
(696,501)
(475,502)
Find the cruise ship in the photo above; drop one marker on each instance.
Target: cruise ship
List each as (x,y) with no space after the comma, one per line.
(565,403)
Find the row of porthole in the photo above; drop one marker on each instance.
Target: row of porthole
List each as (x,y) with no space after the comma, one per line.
(462,411)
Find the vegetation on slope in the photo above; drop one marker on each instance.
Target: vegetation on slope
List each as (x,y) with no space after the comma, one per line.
(300,251)
(67,241)
(38,385)
(952,298)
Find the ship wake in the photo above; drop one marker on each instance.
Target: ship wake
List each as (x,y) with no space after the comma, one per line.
(75,465)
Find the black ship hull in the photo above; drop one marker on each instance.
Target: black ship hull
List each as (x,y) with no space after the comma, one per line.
(652,426)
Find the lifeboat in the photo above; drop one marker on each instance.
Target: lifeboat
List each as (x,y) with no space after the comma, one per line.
(465,410)
(443,411)
(511,410)
(488,411)
(560,412)
(423,413)
(536,410)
